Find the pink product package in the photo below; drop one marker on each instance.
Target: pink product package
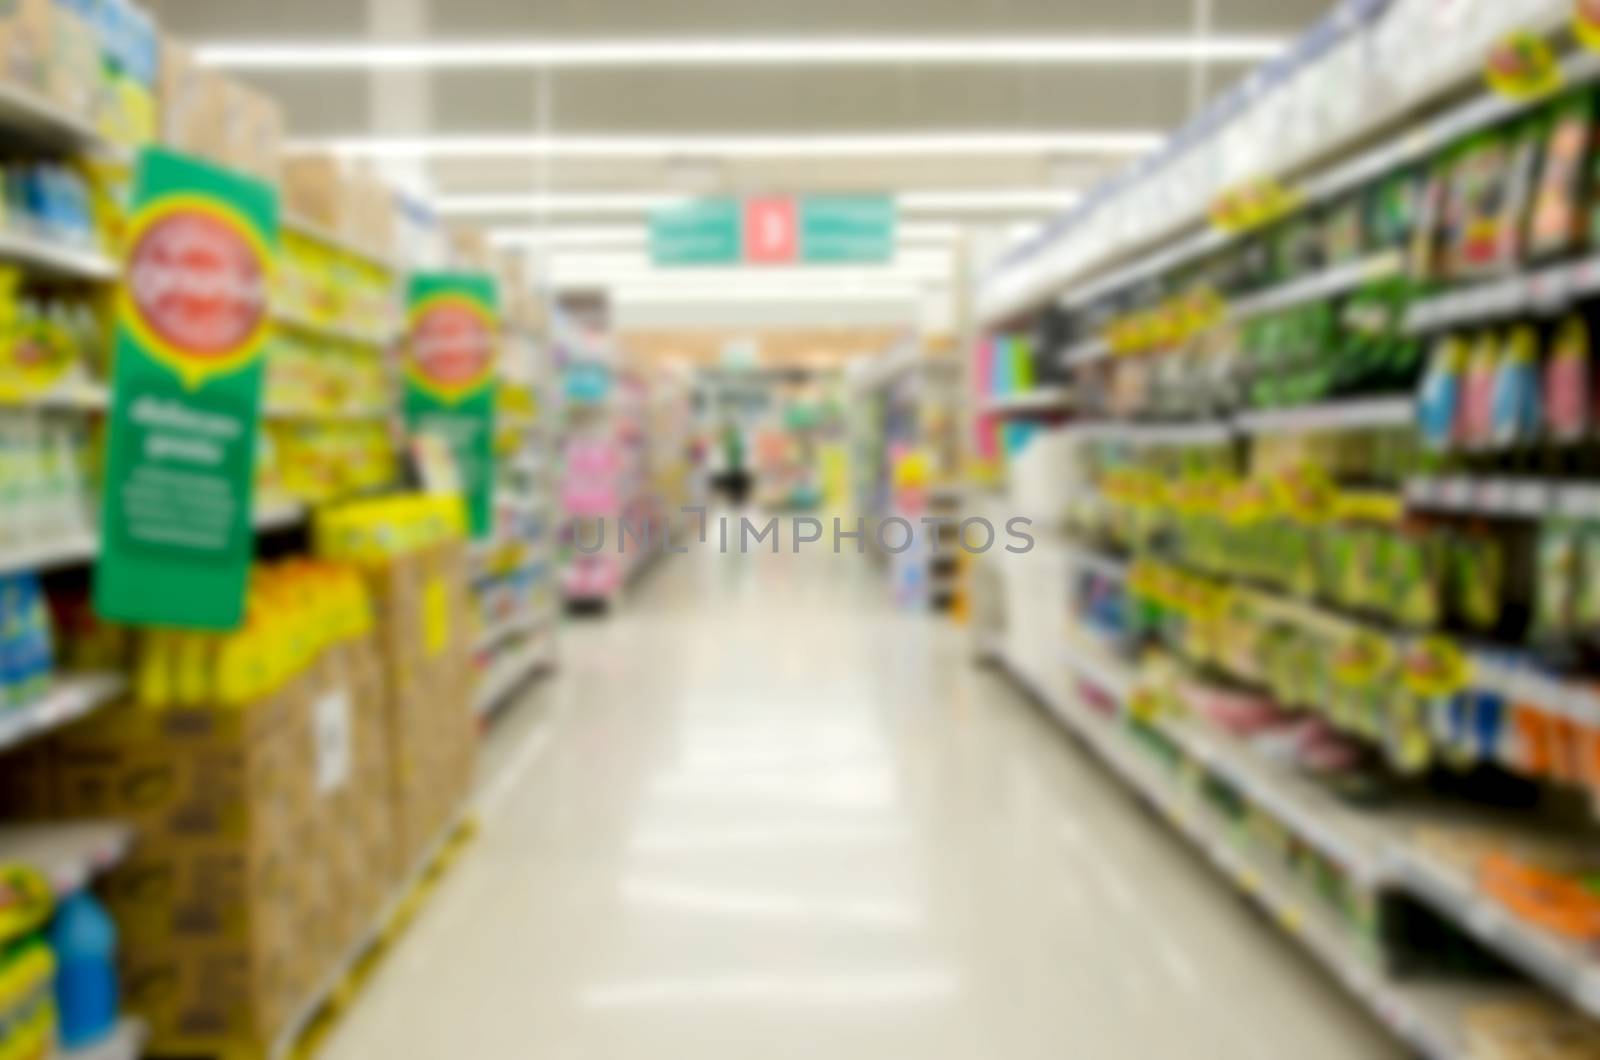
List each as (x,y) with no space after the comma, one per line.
(589,500)
(592,459)
(1238,712)
(592,576)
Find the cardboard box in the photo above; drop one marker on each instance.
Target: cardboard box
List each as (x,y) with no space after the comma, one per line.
(261,854)
(252,132)
(193,103)
(27,30)
(423,636)
(313,189)
(75,75)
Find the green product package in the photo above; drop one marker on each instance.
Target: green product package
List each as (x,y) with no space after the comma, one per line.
(192,323)
(452,349)
(1558,570)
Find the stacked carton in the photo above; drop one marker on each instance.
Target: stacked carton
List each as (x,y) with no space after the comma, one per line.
(423,632)
(351,203)
(206,114)
(262,851)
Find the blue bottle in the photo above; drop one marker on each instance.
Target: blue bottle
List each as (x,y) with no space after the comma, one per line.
(85,940)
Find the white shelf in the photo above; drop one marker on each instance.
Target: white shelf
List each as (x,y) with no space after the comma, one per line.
(1545,290)
(1213,432)
(1427,1015)
(1042,401)
(279,513)
(1328,283)
(124,1043)
(65,550)
(1505,496)
(71,696)
(1110,674)
(1086,352)
(26,114)
(69,853)
(1354,415)
(56,257)
(1564,698)
(515,626)
(1377,850)
(507,673)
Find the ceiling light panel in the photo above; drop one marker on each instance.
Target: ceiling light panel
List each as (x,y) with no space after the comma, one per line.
(824,145)
(1088,50)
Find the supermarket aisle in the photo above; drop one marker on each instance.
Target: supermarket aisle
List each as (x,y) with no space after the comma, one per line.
(761,815)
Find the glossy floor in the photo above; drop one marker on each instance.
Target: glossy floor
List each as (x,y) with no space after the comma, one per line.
(760,814)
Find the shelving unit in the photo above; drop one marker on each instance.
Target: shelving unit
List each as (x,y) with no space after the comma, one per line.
(1040,401)
(1143,255)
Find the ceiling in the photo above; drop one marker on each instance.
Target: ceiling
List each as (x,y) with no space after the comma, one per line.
(765,100)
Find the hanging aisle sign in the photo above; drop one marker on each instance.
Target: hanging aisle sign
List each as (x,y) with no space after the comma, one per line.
(192,322)
(452,344)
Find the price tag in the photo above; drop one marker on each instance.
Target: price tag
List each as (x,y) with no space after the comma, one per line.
(1530,497)
(1549,289)
(1291,919)
(1493,495)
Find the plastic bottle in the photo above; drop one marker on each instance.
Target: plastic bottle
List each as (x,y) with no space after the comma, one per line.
(85,942)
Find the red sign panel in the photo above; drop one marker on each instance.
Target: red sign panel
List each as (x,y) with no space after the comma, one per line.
(771,230)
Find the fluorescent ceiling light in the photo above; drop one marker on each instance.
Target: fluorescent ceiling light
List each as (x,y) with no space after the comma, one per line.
(555,202)
(320,55)
(822,145)
(763,295)
(638,235)
(984,199)
(976,200)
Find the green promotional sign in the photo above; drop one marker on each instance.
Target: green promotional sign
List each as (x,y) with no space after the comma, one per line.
(192,320)
(838,230)
(820,230)
(707,232)
(453,336)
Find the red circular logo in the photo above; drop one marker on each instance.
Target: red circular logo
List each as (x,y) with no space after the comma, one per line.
(198,284)
(451,345)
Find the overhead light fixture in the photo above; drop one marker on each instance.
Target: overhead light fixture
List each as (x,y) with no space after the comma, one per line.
(827,51)
(977,200)
(709,295)
(822,145)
